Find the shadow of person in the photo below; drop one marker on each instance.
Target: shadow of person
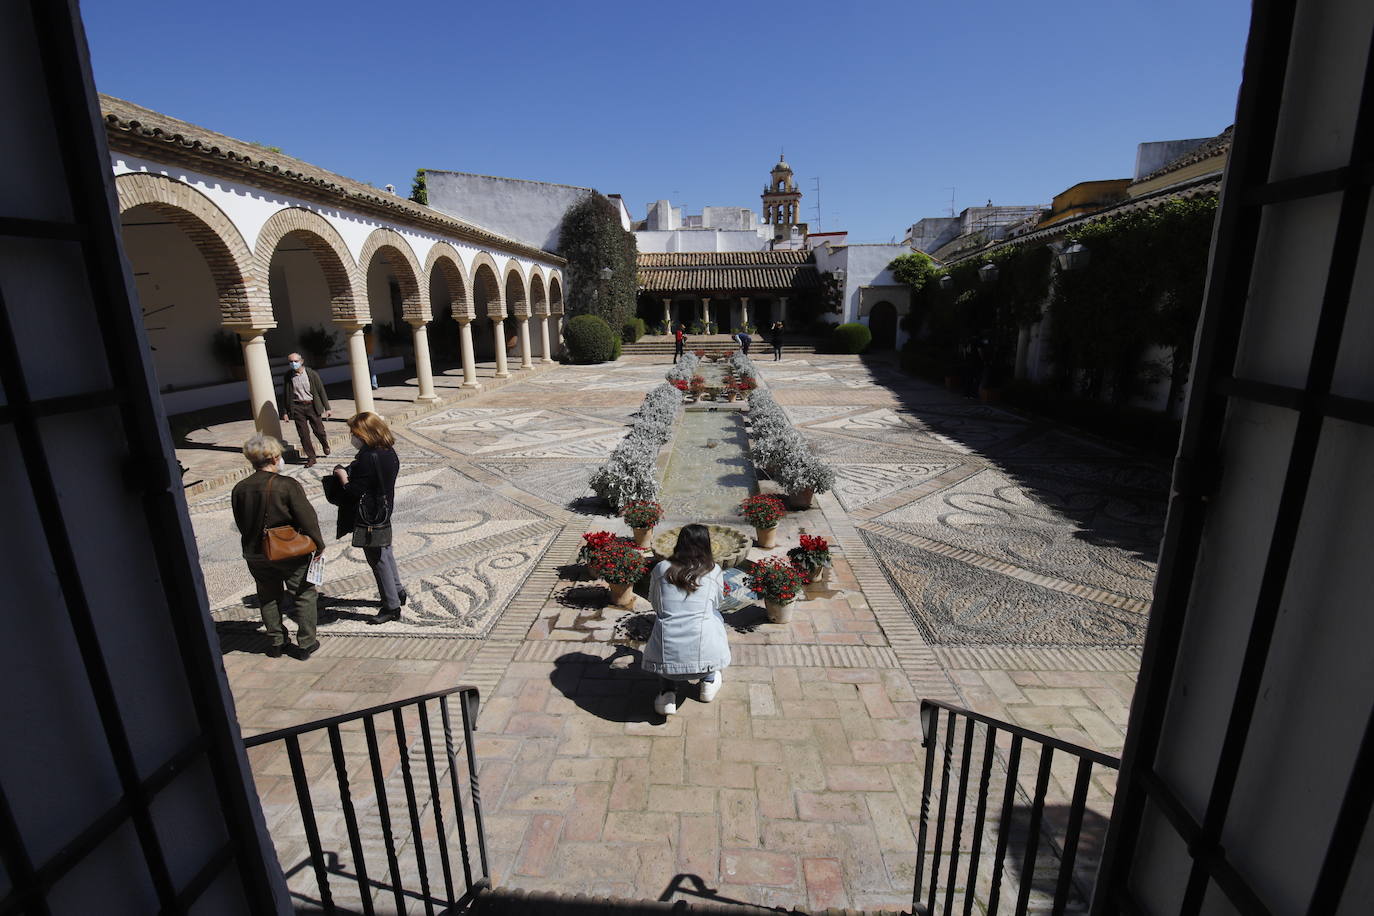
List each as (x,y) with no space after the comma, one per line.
(746,619)
(241,636)
(613,693)
(332,610)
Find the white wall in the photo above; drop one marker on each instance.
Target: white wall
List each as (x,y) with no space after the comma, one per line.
(300,300)
(864,265)
(527,211)
(665,242)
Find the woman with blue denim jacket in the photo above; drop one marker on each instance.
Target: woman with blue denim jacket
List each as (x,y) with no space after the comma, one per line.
(688,642)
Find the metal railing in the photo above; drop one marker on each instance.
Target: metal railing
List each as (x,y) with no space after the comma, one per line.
(378,746)
(1042,857)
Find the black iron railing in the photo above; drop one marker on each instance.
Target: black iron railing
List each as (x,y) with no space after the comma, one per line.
(1033,845)
(345,770)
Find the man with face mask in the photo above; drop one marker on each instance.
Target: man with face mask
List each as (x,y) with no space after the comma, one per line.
(304,401)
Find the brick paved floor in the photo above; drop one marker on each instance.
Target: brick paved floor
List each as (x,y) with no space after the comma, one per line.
(800,785)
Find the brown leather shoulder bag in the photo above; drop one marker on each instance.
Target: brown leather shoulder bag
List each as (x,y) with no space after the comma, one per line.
(283,542)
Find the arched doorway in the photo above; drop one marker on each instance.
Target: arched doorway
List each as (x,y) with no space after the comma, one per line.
(311,285)
(391,275)
(448,301)
(486,301)
(882,322)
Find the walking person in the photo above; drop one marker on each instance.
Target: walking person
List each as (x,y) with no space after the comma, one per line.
(303,400)
(371,479)
(680,338)
(688,642)
(264,501)
(775,338)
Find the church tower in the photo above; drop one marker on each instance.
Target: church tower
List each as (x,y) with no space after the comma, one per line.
(782,202)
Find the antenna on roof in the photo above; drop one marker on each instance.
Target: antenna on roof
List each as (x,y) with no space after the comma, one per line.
(951,201)
(818,203)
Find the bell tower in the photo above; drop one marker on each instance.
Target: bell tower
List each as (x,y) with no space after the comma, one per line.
(782,201)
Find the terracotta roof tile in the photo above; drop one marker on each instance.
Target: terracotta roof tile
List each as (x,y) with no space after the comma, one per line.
(724,258)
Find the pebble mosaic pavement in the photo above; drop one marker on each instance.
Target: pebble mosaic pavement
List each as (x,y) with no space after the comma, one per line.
(982,558)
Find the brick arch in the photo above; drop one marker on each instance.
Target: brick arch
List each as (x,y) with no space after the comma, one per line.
(330,251)
(555,293)
(242,296)
(444,258)
(400,258)
(517,300)
(487,287)
(539,301)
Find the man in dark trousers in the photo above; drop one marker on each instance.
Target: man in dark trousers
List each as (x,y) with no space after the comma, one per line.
(680,339)
(303,400)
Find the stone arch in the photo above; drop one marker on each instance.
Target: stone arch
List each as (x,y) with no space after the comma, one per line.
(330,251)
(444,258)
(400,258)
(488,293)
(243,299)
(517,300)
(539,300)
(555,293)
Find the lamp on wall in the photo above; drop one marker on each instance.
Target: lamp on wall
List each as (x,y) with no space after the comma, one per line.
(1075,257)
(606,274)
(839,275)
(988,273)
(946,282)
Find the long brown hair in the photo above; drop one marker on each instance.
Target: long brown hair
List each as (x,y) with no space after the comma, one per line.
(372,429)
(691,558)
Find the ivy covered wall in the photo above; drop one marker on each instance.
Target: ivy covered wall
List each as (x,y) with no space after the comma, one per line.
(592,238)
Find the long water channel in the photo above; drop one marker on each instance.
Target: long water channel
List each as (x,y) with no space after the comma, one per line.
(708,470)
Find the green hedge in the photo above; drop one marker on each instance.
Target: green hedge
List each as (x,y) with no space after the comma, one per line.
(590,340)
(851,338)
(634,329)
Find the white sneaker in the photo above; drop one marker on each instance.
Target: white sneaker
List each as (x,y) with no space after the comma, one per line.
(666,703)
(709,689)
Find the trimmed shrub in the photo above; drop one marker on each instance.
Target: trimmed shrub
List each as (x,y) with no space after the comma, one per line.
(634,329)
(851,338)
(590,340)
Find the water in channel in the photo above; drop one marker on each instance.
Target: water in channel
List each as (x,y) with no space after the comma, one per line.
(705,483)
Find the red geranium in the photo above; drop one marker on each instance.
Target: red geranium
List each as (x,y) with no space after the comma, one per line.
(619,563)
(762,511)
(642,513)
(680,384)
(776,580)
(595,541)
(813,553)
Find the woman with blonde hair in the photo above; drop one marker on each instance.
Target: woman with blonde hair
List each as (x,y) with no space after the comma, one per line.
(265,501)
(371,479)
(688,642)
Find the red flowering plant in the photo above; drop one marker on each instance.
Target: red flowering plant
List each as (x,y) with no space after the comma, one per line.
(595,541)
(745,384)
(813,553)
(642,513)
(762,511)
(699,353)
(619,563)
(776,579)
(698,384)
(680,384)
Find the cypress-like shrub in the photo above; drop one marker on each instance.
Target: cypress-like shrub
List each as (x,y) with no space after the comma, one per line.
(591,340)
(634,329)
(851,338)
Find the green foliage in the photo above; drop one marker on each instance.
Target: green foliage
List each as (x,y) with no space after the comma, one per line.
(591,239)
(634,329)
(915,269)
(227,350)
(851,338)
(1142,287)
(393,335)
(318,344)
(419,191)
(590,340)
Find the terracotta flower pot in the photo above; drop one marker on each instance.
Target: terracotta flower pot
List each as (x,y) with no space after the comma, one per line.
(642,536)
(767,537)
(622,595)
(779,611)
(819,575)
(801,499)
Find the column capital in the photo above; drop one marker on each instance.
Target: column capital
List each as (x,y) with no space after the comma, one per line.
(463,320)
(250,333)
(417,322)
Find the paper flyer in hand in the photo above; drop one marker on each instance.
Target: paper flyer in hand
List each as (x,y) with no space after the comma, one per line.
(315,574)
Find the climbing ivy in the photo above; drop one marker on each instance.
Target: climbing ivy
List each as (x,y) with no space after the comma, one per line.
(1142,287)
(419,191)
(592,238)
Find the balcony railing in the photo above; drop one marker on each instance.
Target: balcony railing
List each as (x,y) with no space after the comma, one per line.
(343,772)
(1029,848)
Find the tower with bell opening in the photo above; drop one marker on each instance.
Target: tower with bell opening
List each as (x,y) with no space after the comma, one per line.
(782,202)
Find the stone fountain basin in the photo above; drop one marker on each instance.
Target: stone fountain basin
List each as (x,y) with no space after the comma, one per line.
(729,547)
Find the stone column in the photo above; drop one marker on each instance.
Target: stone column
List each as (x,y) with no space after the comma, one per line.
(743,312)
(357,362)
(1022,351)
(465,346)
(262,396)
(705,308)
(523,323)
(558,322)
(498,335)
(668,314)
(424,373)
(782,309)
(544,350)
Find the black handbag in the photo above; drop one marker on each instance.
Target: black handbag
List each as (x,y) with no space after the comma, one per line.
(372,518)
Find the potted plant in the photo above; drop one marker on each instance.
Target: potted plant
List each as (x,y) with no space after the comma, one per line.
(778,583)
(697,386)
(681,385)
(803,476)
(318,344)
(621,565)
(699,353)
(593,541)
(763,512)
(642,515)
(812,558)
(228,352)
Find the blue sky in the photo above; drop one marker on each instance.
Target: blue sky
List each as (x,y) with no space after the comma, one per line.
(890,104)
